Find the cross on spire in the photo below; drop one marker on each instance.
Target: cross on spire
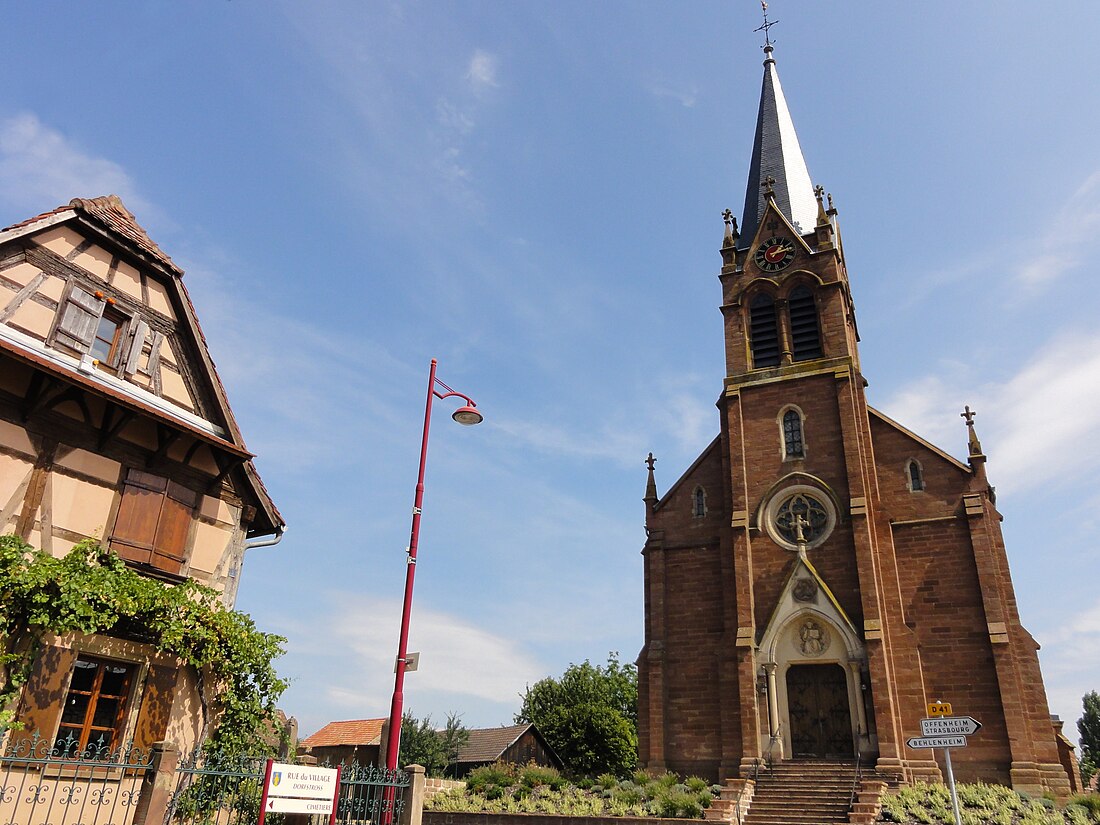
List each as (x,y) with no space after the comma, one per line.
(727,216)
(650,461)
(968,414)
(769,186)
(765,26)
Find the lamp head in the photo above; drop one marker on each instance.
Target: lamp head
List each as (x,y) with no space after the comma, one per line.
(467,416)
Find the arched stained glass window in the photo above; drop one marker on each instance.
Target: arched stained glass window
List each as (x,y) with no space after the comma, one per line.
(916,477)
(699,503)
(793,445)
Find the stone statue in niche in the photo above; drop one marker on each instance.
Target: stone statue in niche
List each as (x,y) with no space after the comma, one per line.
(813,638)
(804,590)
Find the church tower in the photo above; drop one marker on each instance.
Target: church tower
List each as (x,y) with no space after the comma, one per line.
(820,573)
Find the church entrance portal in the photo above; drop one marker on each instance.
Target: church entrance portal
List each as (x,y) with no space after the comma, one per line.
(821,721)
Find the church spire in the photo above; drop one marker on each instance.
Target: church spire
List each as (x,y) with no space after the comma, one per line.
(776,154)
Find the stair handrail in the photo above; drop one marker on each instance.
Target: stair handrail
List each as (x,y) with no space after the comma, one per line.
(767,762)
(857,781)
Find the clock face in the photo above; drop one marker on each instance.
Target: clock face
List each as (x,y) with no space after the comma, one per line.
(774,254)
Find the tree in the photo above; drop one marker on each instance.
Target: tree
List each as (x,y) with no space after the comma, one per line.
(589,716)
(434,750)
(1088,726)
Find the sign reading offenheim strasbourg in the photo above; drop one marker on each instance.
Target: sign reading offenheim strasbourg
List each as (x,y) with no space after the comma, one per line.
(299,789)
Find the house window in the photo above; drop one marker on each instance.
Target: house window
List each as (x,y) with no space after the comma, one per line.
(914,476)
(699,502)
(88,322)
(108,334)
(153,522)
(805,340)
(793,444)
(94,713)
(764,332)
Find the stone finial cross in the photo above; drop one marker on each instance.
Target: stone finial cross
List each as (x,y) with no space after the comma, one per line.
(798,522)
(968,414)
(727,216)
(819,191)
(650,461)
(769,186)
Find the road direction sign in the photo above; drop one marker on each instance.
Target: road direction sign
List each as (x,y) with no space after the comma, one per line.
(289,805)
(302,782)
(949,726)
(299,789)
(918,742)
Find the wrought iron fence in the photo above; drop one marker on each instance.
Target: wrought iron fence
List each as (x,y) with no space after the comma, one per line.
(213,789)
(46,782)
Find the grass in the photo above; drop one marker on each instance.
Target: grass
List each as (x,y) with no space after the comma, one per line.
(502,788)
(981,804)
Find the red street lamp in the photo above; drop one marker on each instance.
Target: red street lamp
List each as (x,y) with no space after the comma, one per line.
(466,415)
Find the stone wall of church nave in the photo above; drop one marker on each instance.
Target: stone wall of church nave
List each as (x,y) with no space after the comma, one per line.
(943,603)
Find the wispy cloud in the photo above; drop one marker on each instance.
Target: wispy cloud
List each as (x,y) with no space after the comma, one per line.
(482,71)
(685,96)
(1048,408)
(1063,245)
(40,168)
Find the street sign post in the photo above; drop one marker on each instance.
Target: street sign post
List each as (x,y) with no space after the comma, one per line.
(950,726)
(299,789)
(945,731)
(918,742)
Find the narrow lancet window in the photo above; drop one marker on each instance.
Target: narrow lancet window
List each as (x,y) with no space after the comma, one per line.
(764,331)
(793,446)
(699,503)
(805,338)
(915,477)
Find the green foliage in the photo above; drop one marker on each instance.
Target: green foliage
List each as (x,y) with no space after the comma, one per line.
(589,716)
(980,804)
(91,590)
(1088,726)
(503,788)
(435,751)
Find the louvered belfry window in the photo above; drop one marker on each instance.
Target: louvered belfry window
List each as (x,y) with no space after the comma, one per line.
(805,337)
(764,332)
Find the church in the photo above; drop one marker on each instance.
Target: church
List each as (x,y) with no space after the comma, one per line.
(821,574)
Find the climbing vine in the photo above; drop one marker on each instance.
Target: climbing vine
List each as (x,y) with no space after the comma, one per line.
(91,590)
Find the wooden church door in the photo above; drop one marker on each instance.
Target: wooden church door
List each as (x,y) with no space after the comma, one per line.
(821,719)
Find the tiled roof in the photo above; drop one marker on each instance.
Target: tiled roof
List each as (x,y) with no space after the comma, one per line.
(487,744)
(37,218)
(349,732)
(110,211)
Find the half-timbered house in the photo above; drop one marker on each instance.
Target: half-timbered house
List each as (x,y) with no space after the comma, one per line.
(115,426)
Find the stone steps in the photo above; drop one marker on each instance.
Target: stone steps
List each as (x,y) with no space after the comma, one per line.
(803,792)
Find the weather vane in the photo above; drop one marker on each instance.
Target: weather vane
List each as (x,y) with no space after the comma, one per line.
(767,24)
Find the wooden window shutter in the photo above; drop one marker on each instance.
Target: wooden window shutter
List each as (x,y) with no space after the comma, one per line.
(44,694)
(156,704)
(79,318)
(170,547)
(130,363)
(153,522)
(135,532)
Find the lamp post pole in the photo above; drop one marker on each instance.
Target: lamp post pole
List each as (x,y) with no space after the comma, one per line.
(466,415)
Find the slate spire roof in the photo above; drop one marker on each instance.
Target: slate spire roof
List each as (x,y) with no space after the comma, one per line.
(777,154)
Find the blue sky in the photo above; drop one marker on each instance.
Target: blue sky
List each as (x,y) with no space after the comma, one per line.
(531,193)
